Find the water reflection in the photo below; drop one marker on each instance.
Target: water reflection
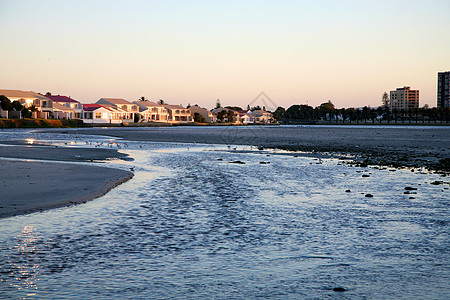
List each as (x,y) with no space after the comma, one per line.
(23,262)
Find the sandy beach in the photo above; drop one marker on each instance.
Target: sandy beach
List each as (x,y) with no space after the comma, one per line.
(393,145)
(31,186)
(34,186)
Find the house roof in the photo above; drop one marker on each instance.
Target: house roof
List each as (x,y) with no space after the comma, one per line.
(61,107)
(59,98)
(169,106)
(112,108)
(91,107)
(22,94)
(148,103)
(117,101)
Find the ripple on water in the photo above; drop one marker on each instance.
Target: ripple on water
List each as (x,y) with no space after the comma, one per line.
(190,226)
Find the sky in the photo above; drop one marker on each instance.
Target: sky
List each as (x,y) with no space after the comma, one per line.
(194,52)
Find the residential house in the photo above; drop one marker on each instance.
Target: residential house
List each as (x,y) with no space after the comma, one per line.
(75,108)
(245,117)
(102,114)
(44,105)
(178,114)
(130,109)
(62,112)
(152,112)
(206,114)
(262,116)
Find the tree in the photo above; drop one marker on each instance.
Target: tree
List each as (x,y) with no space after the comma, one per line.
(233,107)
(279,113)
(17,106)
(26,113)
(299,112)
(143,99)
(230,116)
(5,103)
(385,99)
(221,115)
(161,102)
(326,109)
(199,118)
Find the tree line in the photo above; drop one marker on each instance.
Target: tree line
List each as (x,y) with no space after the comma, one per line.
(328,112)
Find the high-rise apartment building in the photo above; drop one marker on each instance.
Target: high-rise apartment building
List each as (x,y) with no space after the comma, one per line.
(443,89)
(404,98)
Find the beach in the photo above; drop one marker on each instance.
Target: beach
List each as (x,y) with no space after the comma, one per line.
(30,185)
(35,186)
(409,146)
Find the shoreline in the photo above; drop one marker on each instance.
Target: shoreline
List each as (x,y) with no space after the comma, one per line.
(413,147)
(34,186)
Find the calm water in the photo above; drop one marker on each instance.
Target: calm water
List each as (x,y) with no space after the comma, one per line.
(192,225)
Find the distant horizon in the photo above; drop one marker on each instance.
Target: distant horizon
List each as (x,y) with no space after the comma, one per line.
(297,52)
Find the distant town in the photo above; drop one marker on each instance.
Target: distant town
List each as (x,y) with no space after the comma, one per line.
(397,106)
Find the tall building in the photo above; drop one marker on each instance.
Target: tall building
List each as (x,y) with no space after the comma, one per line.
(404,98)
(443,90)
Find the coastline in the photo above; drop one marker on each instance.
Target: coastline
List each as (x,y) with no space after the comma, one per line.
(414,147)
(34,186)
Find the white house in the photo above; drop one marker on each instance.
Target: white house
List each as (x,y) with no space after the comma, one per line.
(262,116)
(99,114)
(178,114)
(152,112)
(130,109)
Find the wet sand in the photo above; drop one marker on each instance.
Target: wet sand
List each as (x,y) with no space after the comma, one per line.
(32,186)
(395,145)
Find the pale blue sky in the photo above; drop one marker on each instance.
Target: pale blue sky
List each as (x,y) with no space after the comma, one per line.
(349,52)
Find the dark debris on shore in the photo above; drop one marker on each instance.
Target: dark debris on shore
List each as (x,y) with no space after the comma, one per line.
(360,157)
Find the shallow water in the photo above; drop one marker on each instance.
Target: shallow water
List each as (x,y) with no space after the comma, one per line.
(189,225)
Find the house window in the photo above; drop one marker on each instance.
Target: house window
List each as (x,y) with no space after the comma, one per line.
(98,115)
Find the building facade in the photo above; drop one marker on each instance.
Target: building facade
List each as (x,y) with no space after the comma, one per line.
(152,112)
(72,109)
(206,114)
(43,105)
(404,99)
(178,114)
(124,108)
(443,90)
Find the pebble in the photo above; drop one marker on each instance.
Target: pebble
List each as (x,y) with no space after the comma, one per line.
(408,188)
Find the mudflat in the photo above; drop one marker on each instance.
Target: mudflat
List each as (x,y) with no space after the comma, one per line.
(31,186)
(389,145)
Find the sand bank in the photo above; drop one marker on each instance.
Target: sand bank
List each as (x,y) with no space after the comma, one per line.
(31,186)
(399,146)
